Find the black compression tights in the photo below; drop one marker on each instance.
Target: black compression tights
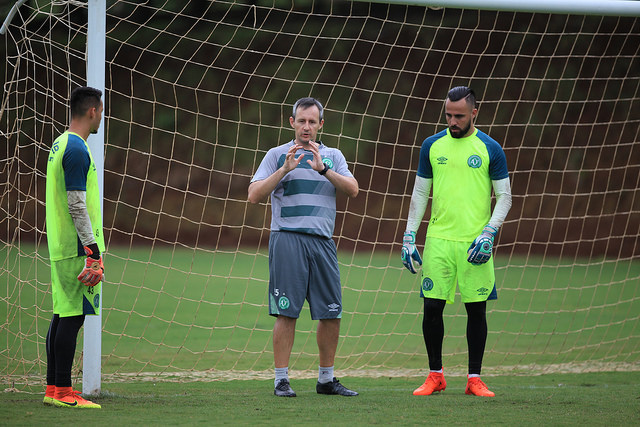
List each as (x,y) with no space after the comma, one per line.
(433,332)
(476,334)
(61,347)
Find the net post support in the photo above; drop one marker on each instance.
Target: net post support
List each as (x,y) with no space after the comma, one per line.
(96,48)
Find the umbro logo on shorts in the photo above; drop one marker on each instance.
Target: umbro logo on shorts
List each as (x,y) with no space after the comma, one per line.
(333,307)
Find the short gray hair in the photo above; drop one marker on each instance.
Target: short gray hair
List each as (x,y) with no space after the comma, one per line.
(305,103)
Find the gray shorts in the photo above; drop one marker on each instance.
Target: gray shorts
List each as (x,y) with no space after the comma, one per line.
(303,266)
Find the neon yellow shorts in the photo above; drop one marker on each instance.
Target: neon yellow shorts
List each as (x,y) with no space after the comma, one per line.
(70,296)
(445,263)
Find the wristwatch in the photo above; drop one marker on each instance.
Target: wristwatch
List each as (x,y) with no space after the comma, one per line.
(323,171)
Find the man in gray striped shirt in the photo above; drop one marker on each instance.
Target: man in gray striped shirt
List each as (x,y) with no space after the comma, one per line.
(302,177)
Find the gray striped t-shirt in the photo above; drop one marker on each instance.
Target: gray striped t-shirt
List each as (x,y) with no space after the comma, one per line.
(303,201)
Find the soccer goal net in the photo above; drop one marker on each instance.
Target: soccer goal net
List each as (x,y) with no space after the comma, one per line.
(198,91)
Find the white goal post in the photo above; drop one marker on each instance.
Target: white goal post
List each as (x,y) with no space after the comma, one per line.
(195,94)
(96,65)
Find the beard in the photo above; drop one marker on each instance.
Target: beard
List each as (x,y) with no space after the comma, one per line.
(456,132)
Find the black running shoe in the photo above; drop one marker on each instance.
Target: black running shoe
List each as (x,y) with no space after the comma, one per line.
(334,387)
(283,389)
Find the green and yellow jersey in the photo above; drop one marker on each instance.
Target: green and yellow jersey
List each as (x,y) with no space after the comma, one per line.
(461,170)
(70,167)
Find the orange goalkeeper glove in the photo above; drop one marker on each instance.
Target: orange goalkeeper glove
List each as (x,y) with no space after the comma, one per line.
(93,272)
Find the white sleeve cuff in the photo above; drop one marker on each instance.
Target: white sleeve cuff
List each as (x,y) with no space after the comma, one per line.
(502,189)
(77,203)
(418,205)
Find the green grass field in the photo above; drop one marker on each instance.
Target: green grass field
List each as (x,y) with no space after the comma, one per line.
(183,310)
(186,315)
(559,400)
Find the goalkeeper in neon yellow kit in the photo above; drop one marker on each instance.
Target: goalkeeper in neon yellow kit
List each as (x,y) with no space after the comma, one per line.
(75,240)
(463,165)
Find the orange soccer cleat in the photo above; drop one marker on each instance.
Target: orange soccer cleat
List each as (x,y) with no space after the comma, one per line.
(434,382)
(49,394)
(476,387)
(66,397)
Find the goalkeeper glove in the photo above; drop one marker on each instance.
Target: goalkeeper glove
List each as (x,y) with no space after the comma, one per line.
(410,252)
(480,250)
(93,272)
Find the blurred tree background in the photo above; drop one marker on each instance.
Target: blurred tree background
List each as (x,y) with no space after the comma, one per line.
(198,91)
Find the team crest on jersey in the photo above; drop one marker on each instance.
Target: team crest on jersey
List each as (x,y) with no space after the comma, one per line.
(474,161)
(327,161)
(442,160)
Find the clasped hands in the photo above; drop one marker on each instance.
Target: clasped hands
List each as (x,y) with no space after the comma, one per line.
(291,161)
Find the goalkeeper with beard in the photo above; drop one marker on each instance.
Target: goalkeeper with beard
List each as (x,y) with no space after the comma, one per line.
(462,164)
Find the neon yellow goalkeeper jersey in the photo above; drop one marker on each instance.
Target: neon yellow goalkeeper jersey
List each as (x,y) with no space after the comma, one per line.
(70,167)
(462,170)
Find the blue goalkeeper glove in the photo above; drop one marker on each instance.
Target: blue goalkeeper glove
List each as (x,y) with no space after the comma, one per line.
(480,250)
(410,252)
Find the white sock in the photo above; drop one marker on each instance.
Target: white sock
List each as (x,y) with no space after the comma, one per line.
(281,374)
(325,375)
(473,376)
(440,371)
